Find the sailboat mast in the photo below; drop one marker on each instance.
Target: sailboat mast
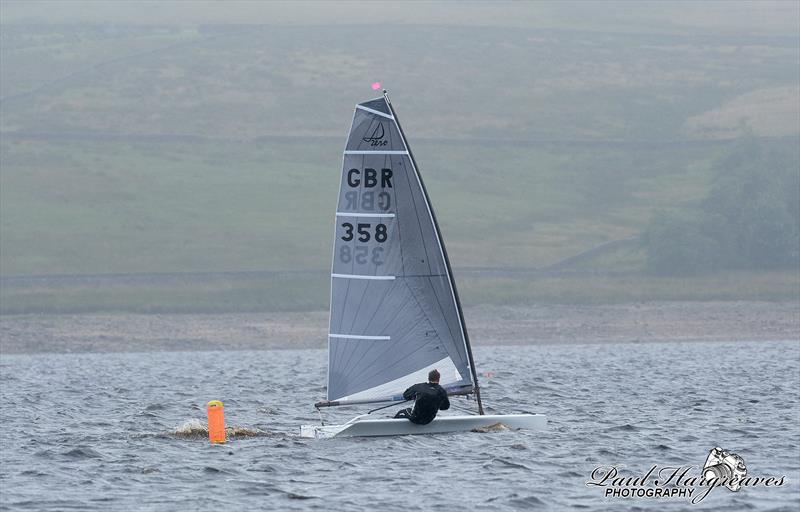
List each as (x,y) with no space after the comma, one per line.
(444,253)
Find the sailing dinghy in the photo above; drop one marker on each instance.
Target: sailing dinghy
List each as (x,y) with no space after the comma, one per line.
(394,309)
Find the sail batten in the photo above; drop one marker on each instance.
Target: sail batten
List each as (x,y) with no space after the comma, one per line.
(370,152)
(373,111)
(362,276)
(362,214)
(389,273)
(359,337)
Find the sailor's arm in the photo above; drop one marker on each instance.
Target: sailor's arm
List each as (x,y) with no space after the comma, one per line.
(444,404)
(411,393)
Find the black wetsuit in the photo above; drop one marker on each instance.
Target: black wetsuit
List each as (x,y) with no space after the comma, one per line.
(430,399)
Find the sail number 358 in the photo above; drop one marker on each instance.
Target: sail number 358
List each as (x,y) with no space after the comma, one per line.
(363,232)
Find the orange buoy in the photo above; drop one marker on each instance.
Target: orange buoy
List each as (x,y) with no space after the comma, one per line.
(216,422)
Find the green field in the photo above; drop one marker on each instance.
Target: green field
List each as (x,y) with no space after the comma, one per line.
(105,207)
(202,147)
(298,292)
(253,207)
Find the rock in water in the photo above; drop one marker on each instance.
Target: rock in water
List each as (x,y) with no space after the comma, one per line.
(495,427)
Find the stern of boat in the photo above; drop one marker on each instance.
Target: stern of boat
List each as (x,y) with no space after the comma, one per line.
(320,431)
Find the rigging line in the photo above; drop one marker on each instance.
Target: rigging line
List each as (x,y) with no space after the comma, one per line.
(489,407)
(471,398)
(463,408)
(346,364)
(393,404)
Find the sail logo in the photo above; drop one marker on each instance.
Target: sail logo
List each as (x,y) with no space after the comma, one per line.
(376,138)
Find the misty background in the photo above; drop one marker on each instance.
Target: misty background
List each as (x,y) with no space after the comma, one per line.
(185,156)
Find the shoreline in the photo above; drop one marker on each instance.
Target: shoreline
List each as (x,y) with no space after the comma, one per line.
(640,322)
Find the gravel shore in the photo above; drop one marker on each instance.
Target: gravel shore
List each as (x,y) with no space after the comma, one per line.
(636,322)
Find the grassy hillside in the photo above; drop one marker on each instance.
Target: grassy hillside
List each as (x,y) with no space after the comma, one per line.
(506,83)
(114,206)
(201,147)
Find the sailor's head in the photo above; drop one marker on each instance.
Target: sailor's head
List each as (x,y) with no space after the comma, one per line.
(433,376)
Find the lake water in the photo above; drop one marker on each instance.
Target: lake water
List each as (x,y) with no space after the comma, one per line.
(124,431)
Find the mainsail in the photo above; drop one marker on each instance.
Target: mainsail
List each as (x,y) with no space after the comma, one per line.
(394,311)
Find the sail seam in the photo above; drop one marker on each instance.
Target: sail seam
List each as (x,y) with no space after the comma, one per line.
(387,326)
(377,308)
(394,364)
(346,366)
(373,111)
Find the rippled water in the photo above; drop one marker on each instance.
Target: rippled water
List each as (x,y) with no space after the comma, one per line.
(125,431)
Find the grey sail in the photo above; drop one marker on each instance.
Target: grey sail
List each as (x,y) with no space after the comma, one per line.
(394,310)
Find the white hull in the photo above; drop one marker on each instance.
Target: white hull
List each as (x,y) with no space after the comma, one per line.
(360,426)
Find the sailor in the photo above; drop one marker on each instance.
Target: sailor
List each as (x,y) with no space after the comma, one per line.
(430,398)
